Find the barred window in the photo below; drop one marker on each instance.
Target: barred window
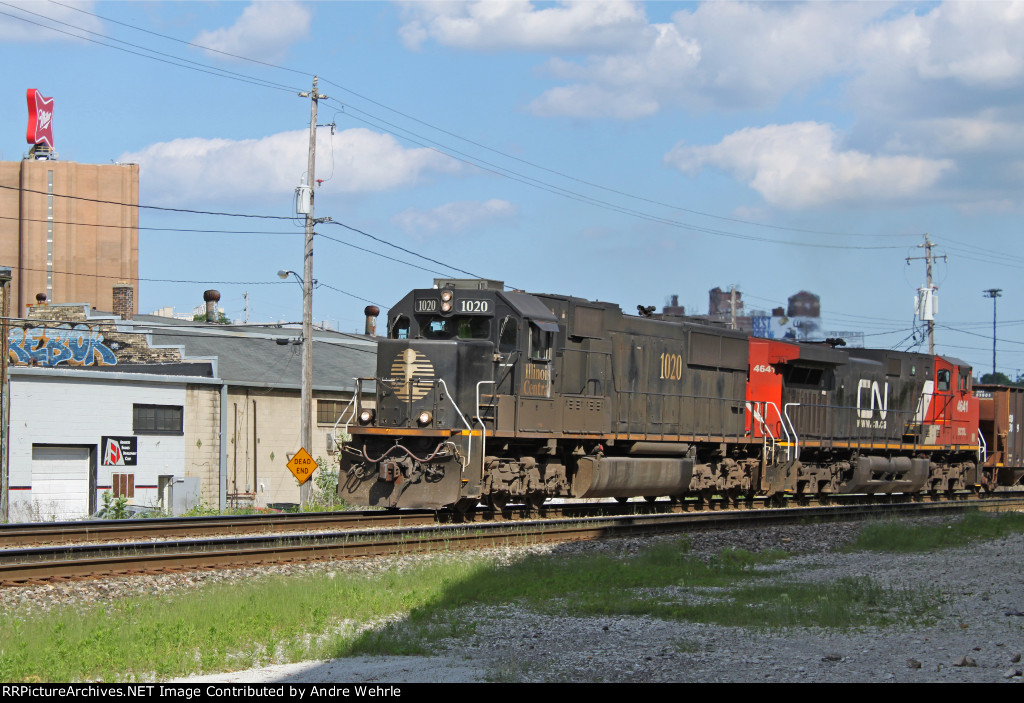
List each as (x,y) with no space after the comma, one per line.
(158,419)
(328,411)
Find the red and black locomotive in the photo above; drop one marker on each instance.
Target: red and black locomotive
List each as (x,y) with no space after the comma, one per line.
(484,394)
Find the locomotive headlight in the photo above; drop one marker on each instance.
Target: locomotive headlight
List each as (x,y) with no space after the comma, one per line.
(424,418)
(446,307)
(446,296)
(366,417)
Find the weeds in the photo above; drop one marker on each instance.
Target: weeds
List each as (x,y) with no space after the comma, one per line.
(900,537)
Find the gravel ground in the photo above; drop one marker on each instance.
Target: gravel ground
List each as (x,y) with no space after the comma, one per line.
(978,637)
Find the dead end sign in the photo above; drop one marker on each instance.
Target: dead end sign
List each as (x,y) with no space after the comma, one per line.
(302,465)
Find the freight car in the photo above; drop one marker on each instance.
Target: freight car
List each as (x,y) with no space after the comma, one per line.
(1001,409)
(484,394)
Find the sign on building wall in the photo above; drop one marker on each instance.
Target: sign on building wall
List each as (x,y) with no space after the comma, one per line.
(800,329)
(120,451)
(40,118)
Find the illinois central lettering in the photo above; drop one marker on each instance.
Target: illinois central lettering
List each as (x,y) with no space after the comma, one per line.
(537,380)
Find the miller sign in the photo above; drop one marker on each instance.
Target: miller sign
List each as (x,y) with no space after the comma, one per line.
(40,118)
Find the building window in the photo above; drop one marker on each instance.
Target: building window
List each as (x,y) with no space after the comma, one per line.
(123,485)
(328,411)
(158,419)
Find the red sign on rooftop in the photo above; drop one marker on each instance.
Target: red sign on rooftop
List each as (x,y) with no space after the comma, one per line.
(40,118)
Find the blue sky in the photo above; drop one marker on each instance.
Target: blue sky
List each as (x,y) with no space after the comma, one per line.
(610,150)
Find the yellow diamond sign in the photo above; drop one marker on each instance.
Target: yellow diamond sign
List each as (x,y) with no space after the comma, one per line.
(302,465)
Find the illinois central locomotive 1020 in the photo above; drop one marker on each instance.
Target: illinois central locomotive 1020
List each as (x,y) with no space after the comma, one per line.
(484,394)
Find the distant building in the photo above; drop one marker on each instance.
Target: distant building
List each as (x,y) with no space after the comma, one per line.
(720,303)
(800,322)
(72,232)
(804,304)
(673,307)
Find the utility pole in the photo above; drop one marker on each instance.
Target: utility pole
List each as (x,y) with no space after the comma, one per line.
(927,298)
(993,293)
(307,293)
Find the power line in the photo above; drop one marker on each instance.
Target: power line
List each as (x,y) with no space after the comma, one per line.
(155,280)
(248,215)
(212,70)
(378,254)
(148,229)
(588,200)
(506,172)
(407,251)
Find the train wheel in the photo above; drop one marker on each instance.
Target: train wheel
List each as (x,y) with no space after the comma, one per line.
(464,505)
(535,500)
(497,501)
(621,500)
(650,499)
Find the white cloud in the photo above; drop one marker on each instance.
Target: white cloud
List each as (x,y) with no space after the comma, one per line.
(731,55)
(455,217)
(15,30)
(625,86)
(988,132)
(355,161)
(970,44)
(801,166)
(264,31)
(490,25)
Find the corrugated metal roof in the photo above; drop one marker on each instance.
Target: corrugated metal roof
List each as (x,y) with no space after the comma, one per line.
(266,355)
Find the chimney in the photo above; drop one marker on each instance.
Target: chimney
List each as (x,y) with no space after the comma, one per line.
(371,312)
(124,300)
(212,297)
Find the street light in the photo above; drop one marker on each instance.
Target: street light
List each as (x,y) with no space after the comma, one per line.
(993,293)
(306,401)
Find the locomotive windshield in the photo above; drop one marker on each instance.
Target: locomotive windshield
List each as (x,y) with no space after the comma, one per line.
(460,327)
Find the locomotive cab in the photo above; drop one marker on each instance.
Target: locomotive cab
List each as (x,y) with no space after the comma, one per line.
(451,352)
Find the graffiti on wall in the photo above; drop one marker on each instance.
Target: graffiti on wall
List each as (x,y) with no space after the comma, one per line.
(80,345)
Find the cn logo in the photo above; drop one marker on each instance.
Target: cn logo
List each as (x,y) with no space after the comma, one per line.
(877,400)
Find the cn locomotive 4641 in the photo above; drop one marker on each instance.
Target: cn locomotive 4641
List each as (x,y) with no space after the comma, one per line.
(484,394)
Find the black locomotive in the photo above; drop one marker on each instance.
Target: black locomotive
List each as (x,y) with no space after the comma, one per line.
(494,395)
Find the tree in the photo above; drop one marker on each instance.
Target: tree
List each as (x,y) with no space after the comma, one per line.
(222,319)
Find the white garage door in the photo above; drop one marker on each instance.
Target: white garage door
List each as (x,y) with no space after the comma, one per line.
(60,482)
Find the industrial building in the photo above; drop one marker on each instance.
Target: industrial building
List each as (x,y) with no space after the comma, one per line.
(146,406)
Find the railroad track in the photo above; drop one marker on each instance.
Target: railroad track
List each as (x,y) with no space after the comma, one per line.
(17,535)
(32,565)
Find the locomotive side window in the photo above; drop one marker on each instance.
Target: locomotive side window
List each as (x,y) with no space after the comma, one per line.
(804,376)
(540,343)
(942,380)
(400,328)
(508,335)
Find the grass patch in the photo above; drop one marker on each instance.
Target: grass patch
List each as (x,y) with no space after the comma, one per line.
(900,537)
(217,628)
(407,611)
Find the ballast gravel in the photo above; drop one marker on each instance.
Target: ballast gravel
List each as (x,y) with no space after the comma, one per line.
(977,637)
